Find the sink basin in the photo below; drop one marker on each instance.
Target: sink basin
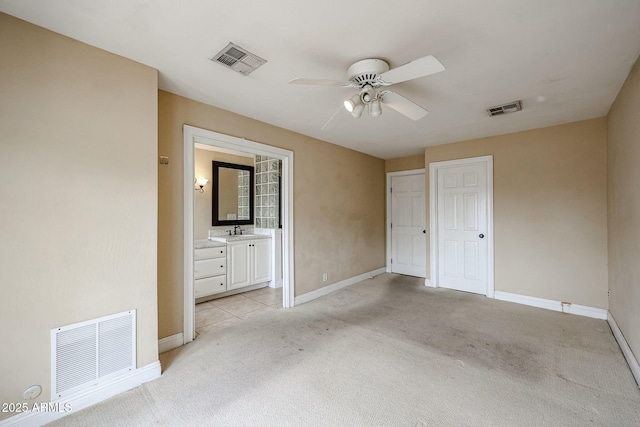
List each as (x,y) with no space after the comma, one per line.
(237,237)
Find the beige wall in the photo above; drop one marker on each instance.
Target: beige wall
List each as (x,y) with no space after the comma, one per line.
(338,203)
(404,163)
(550,216)
(78,177)
(623,154)
(202,203)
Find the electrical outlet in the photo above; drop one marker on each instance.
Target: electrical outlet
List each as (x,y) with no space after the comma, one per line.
(325,277)
(32,392)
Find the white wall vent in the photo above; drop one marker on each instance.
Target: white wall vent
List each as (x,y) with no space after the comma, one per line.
(238,59)
(88,353)
(511,107)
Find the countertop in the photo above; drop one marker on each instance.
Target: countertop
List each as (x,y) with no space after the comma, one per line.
(218,241)
(238,237)
(206,243)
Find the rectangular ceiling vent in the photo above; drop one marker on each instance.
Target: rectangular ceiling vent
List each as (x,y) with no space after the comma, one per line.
(238,59)
(511,107)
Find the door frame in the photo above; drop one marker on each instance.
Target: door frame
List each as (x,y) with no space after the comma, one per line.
(433,217)
(388,197)
(193,135)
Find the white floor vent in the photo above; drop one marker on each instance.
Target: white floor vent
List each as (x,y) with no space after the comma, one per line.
(88,353)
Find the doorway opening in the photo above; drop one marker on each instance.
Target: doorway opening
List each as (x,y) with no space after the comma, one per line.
(192,136)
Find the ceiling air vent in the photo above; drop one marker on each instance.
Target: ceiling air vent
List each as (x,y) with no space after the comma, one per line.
(238,59)
(511,107)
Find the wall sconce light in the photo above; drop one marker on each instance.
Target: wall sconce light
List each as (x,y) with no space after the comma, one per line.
(200,183)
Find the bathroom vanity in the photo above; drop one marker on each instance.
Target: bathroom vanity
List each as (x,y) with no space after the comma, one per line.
(230,263)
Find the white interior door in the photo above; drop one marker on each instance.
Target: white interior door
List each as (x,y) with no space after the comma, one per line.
(462,223)
(408,231)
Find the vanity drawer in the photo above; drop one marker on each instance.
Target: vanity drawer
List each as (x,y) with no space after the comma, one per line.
(209,267)
(209,286)
(204,253)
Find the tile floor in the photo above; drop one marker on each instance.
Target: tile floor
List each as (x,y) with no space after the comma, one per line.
(221,312)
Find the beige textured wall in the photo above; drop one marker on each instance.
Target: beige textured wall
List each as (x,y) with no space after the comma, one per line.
(550,215)
(338,203)
(623,154)
(202,203)
(78,177)
(404,163)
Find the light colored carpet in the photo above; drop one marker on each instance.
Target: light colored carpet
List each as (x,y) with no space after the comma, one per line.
(388,351)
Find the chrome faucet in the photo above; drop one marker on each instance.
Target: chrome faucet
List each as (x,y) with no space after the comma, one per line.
(236,228)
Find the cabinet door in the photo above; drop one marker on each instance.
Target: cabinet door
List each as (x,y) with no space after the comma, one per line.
(238,268)
(261,271)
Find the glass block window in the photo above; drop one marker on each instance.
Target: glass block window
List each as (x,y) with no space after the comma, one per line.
(268,171)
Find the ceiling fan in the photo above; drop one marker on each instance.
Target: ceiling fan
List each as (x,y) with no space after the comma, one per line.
(370,76)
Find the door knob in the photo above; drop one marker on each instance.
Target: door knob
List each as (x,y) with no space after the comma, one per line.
(481,236)
(424,231)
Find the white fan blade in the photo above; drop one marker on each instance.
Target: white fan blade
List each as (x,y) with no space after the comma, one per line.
(412,70)
(403,106)
(318,82)
(334,120)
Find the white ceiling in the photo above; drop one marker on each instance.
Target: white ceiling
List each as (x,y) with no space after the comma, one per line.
(565,59)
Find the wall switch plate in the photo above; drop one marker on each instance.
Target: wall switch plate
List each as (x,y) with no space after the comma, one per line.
(325,277)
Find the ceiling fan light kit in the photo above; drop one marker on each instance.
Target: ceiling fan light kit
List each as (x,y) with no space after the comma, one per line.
(368,75)
(357,112)
(374,109)
(369,98)
(351,103)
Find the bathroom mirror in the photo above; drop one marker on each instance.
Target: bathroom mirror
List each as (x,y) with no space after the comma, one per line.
(232,194)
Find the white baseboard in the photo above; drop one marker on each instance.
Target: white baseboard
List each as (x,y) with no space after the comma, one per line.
(626,350)
(309,296)
(275,284)
(429,283)
(170,342)
(85,398)
(580,310)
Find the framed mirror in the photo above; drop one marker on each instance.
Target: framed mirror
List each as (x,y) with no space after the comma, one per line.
(232,194)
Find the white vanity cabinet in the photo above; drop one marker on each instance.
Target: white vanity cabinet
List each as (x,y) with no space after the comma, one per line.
(249,263)
(210,271)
